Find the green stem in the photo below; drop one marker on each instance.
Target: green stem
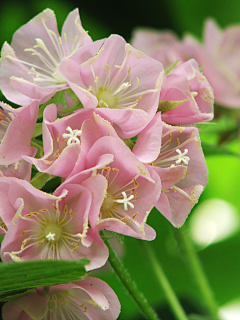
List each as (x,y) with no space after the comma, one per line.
(165,285)
(195,267)
(130,285)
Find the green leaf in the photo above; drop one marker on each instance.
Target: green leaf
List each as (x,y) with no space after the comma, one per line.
(165,105)
(38,130)
(212,150)
(40,179)
(167,70)
(17,276)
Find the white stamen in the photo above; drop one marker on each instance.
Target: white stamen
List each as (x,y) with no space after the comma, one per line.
(50,236)
(182,157)
(122,87)
(126,201)
(72,136)
(194,94)
(16,165)
(42,45)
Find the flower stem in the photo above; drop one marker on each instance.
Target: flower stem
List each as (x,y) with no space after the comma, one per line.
(130,285)
(164,283)
(195,267)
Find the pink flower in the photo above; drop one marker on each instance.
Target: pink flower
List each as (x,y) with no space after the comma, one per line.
(164,46)
(219,54)
(121,81)
(87,299)
(29,67)
(186,83)
(175,154)
(130,193)
(45,226)
(66,140)
(16,130)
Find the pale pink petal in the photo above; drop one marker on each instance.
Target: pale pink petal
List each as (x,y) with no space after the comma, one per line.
(29,306)
(73,33)
(16,141)
(175,206)
(148,143)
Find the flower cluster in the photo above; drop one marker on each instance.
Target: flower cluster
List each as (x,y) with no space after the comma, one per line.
(117,128)
(217,54)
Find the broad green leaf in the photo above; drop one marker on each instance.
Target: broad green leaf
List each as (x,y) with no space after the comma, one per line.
(165,105)
(15,294)
(16,276)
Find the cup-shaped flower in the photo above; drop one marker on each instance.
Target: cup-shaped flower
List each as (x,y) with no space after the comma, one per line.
(67,139)
(131,191)
(29,67)
(16,130)
(87,299)
(45,226)
(176,156)
(121,81)
(185,83)
(164,46)
(219,54)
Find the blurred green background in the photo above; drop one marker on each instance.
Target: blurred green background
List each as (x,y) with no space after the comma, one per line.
(220,259)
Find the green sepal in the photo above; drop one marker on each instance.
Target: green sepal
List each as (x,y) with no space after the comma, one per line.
(40,179)
(165,105)
(55,99)
(38,130)
(171,67)
(62,100)
(38,144)
(76,106)
(26,275)
(129,142)
(71,94)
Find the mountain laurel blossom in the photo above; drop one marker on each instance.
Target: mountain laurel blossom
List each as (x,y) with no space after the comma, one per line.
(107,144)
(29,67)
(87,299)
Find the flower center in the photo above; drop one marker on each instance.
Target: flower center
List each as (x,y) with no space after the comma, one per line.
(106,98)
(72,136)
(53,232)
(117,202)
